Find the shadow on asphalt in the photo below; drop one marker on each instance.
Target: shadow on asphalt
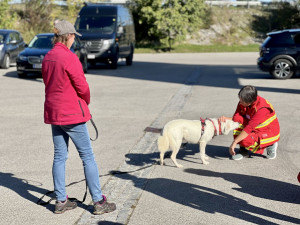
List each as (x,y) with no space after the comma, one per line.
(214,201)
(31,77)
(211,200)
(188,152)
(153,71)
(256,186)
(24,188)
(108,223)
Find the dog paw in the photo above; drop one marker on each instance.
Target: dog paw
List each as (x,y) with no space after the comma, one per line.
(180,166)
(205,162)
(206,157)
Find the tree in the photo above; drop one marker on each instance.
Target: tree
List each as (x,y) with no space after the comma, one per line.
(73,8)
(36,17)
(168,21)
(7,17)
(279,16)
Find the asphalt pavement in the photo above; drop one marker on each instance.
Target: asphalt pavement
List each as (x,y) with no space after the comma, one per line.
(157,88)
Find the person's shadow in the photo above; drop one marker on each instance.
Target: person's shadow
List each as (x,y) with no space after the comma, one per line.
(207,199)
(24,188)
(257,186)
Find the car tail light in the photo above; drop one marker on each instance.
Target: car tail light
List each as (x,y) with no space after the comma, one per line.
(263,50)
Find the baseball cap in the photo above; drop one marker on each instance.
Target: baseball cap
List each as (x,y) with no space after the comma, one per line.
(64,27)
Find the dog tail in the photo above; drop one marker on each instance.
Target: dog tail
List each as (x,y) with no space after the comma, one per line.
(163,143)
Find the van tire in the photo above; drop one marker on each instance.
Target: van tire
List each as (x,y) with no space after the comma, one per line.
(85,65)
(114,61)
(129,58)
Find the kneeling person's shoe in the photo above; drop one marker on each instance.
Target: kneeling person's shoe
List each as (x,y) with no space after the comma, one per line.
(103,206)
(245,153)
(62,206)
(272,151)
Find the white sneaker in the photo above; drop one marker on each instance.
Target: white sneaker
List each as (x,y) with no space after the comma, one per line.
(272,151)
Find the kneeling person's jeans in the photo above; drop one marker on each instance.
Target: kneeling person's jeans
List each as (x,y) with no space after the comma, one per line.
(81,139)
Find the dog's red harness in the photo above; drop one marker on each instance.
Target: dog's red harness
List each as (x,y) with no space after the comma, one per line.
(203,126)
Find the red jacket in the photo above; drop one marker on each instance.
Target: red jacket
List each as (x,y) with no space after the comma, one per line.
(67,92)
(261,118)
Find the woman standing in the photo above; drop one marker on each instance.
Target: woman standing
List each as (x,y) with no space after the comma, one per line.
(67,96)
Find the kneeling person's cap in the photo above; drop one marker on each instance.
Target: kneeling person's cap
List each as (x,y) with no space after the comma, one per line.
(64,27)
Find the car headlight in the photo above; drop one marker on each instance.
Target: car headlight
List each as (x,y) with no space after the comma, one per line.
(23,58)
(107,43)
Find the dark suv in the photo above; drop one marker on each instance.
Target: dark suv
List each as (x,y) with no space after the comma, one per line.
(280,53)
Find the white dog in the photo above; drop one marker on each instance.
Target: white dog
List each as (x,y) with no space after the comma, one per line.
(192,131)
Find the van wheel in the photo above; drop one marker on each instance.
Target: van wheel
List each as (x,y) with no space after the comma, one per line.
(129,58)
(6,62)
(114,61)
(282,69)
(85,65)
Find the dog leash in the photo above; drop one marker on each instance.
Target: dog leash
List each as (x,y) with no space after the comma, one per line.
(94,125)
(41,202)
(113,172)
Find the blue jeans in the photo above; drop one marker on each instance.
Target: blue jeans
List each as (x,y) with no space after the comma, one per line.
(80,137)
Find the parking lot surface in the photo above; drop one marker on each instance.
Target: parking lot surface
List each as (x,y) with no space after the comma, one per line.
(157,88)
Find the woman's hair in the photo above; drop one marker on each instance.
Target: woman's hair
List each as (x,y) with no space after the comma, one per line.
(248,94)
(61,38)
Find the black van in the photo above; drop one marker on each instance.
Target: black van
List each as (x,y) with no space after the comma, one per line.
(107,32)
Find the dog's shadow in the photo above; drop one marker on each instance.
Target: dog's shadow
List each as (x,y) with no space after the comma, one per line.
(188,152)
(191,152)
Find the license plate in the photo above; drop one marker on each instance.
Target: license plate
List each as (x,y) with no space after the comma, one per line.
(89,56)
(37,66)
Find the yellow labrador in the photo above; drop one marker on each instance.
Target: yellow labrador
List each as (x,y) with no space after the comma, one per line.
(192,131)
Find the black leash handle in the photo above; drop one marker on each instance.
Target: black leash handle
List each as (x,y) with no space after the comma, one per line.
(94,125)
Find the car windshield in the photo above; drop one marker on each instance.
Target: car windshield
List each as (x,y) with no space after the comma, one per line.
(102,24)
(41,42)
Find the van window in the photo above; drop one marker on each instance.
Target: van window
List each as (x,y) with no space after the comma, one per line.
(96,23)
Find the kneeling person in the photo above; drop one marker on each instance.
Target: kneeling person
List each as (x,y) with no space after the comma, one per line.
(259,127)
